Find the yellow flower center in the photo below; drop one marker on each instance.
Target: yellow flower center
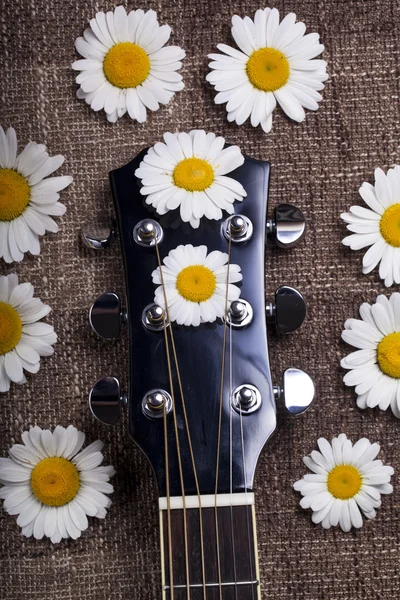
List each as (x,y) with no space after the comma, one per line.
(55,481)
(388,355)
(268,69)
(193,174)
(14,194)
(344,482)
(390,225)
(10,328)
(196,283)
(126,65)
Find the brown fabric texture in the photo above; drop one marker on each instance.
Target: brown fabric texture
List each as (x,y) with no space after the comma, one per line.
(318,165)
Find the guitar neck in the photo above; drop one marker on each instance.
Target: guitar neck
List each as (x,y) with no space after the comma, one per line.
(220,564)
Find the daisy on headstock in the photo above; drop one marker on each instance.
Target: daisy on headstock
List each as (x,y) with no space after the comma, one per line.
(201,399)
(193,284)
(189,171)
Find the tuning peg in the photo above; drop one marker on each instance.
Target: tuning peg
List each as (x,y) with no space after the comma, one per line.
(97,237)
(288,311)
(287,225)
(106,400)
(297,391)
(106,316)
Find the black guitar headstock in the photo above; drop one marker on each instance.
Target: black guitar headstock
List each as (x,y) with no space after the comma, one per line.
(198,393)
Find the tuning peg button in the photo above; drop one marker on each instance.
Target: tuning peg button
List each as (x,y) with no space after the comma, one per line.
(297,391)
(106,400)
(105,316)
(288,311)
(97,237)
(287,225)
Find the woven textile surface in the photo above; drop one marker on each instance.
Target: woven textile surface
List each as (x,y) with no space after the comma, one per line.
(317,165)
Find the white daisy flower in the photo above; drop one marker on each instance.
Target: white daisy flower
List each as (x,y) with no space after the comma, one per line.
(53,485)
(346,482)
(23,340)
(274,64)
(195,284)
(28,199)
(126,67)
(378,226)
(189,171)
(374,369)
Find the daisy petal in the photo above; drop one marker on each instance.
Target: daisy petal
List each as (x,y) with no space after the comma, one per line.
(250,89)
(352,483)
(117,32)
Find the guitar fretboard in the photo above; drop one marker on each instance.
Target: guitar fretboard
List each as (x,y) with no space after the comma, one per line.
(234,550)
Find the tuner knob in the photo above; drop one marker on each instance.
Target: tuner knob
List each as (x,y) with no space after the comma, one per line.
(106,400)
(288,225)
(289,309)
(297,391)
(105,316)
(97,237)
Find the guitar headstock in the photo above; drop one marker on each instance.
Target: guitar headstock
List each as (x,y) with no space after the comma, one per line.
(226,410)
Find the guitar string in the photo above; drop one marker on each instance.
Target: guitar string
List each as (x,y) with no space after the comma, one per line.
(167,485)
(190,448)
(220,421)
(176,430)
(192,455)
(244,470)
(193,466)
(252,576)
(231,459)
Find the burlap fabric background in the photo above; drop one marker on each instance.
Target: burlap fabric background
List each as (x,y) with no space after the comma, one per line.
(318,165)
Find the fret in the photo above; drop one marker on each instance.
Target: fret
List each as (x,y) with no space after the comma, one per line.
(216,584)
(231,592)
(237,550)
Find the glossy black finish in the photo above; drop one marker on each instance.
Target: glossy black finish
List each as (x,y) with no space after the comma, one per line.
(290,309)
(105,316)
(199,349)
(105,400)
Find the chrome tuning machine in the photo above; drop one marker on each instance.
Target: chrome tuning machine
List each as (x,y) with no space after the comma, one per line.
(156,403)
(97,237)
(297,391)
(240,314)
(246,399)
(288,225)
(147,233)
(238,228)
(106,401)
(288,311)
(154,317)
(106,316)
